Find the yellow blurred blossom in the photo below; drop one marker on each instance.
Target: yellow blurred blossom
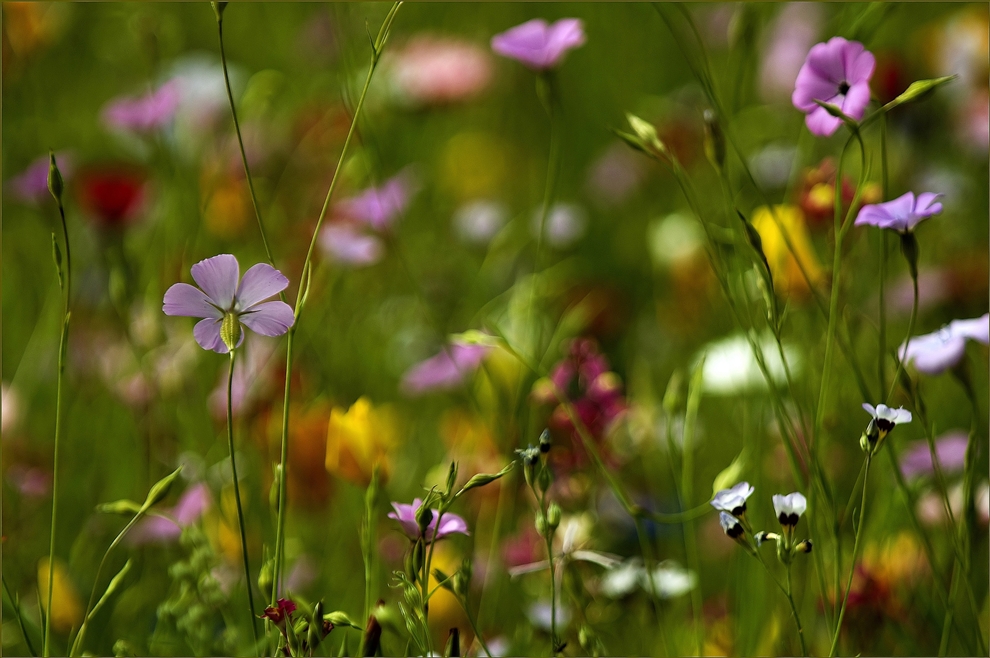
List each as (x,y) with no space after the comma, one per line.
(787,276)
(360,438)
(67,610)
(445,611)
(475,165)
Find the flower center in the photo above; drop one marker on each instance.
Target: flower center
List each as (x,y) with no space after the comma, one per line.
(843,87)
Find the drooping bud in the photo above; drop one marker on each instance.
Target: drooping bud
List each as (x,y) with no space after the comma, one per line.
(230,330)
(55,184)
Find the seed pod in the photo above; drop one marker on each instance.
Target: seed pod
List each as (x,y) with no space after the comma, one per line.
(160,489)
(55,184)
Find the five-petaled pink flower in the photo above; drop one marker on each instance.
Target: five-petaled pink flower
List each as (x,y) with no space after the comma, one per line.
(902,214)
(837,72)
(540,45)
(222,296)
(406,516)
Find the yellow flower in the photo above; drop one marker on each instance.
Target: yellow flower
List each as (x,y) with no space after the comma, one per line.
(787,276)
(67,610)
(358,439)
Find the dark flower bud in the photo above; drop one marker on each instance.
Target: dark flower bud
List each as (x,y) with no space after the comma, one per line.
(545,441)
(453,647)
(55,184)
(451,478)
(804,547)
(714,140)
(909,247)
(424,515)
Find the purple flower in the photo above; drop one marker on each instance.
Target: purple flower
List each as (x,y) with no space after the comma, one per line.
(378,207)
(836,72)
(937,352)
(444,371)
(191,505)
(902,214)
(221,295)
(347,245)
(406,516)
(31,185)
(144,113)
(540,45)
(950,448)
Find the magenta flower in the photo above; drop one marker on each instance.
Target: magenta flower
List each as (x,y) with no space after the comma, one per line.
(936,352)
(31,185)
(837,72)
(540,45)
(191,505)
(902,214)
(950,448)
(406,516)
(379,207)
(144,113)
(221,295)
(446,370)
(280,613)
(348,245)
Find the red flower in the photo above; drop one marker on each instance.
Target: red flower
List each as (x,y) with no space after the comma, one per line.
(112,195)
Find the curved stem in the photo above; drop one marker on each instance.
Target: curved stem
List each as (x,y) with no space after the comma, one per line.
(794,611)
(62,345)
(240,144)
(237,496)
(855,555)
(903,355)
(301,299)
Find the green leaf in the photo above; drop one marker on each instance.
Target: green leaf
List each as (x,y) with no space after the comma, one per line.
(111,588)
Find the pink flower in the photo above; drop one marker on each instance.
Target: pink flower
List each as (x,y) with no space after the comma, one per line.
(31,185)
(406,516)
(902,214)
(540,45)
(144,113)
(223,296)
(446,370)
(379,207)
(431,70)
(950,448)
(836,72)
(348,245)
(936,352)
(791,34)
(191,505)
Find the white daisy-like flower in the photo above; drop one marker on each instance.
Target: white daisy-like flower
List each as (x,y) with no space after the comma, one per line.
(733,500)
(789,508)
(885,417)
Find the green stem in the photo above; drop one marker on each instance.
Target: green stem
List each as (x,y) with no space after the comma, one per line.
(474,625)
(943,645)
(910,331)
(16,605)
(240,144)
(882,355)
(301,298)
(855,555)
(62,346)
(237,496)
(794,611)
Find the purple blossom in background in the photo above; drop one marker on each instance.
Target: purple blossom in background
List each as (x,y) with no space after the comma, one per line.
(406,516)
(616,175)
(791,35)
(902,214)
(837,72)
(348,245)
(446,370)
(144,113)
(29,481)
(540,45)
(31,185)
(950,449)
(936,352)
(221,294)
(379,207)
(190,506)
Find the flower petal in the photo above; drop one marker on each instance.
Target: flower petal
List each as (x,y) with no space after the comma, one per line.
(207,334)
(976,329)
(268,318)
(185,300)
(870,409)
(821,123)
(217,277)
(259,283)
(856,100)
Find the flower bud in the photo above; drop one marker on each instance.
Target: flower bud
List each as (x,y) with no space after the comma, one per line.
(266,577)
(804,547)
(541,524)
(230,330)
(553,516)
(418,556)
(544,479)
(55,184)
(545,442)
(462,579)
(338,618)
(160,489)
(424,515)
(451,479)
(714,140)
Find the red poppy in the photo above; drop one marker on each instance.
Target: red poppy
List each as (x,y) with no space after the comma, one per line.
(112,195)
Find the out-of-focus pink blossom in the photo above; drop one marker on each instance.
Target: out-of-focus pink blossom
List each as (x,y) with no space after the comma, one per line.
(158,529)
(144,113)
(446,370)
(792,34)
(10,408)
(540,45)
(379,207)
(950,448)
(347,244)
(29,481)
(936,352)
(616,175)
(31,185)
(436,70)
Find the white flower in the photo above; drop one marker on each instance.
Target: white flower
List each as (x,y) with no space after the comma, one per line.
(670,579)
(733,500)
(730,367)
(886,418)
(789,508)
(730,525)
